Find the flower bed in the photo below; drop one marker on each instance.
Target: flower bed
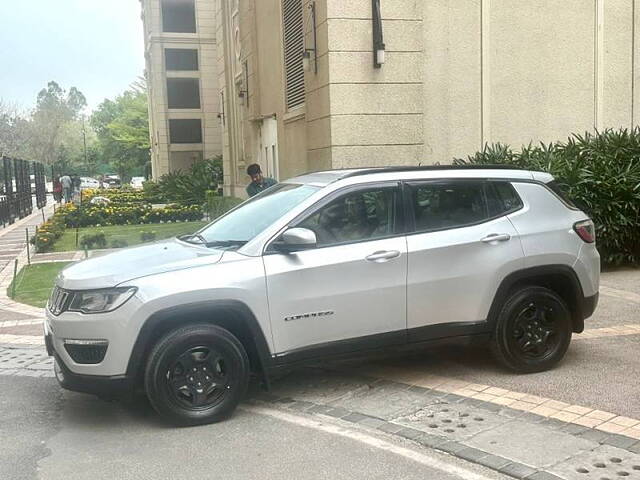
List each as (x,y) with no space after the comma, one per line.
(115,196)
(88,215)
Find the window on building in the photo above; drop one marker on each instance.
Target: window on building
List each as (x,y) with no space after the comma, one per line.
(183,93)
(179,16)
(181,59)
(293,35)
(185,131)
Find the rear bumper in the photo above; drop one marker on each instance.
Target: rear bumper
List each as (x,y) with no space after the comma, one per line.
(589,305)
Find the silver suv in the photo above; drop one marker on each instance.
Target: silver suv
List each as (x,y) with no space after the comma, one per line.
(325,265)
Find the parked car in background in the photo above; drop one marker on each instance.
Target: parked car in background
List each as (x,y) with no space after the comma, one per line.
(324,265)
(136,182)
(88,182)
(111,181)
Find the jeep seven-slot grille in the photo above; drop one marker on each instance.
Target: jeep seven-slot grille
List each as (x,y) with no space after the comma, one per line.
(58,301)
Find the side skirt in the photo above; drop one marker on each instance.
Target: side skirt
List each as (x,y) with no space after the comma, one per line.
(402,341)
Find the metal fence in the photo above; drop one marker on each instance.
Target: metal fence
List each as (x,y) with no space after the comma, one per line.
(19,182)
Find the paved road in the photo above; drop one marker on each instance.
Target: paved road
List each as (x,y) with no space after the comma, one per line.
(49,434)
(599,372)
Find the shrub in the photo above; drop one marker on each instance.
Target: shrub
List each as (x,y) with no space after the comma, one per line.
(600,172)
(147,236)
(119,243)
(114,197)
(51,230)
(152,192)
(190,187)
(217,205)
(172,213)
(95,240)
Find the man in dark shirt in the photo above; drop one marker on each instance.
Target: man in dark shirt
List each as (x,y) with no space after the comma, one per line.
(258,182)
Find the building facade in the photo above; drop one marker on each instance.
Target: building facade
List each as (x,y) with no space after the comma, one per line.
(316,84)
(182,82)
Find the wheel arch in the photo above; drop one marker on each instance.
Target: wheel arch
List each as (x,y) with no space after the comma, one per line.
(559,278)
(232,315)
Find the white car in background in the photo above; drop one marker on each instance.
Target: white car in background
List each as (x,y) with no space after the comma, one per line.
(136,182)
(87,182)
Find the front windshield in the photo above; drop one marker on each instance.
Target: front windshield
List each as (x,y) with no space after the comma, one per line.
(254,216)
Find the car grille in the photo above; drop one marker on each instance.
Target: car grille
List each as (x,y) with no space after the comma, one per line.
(59,300)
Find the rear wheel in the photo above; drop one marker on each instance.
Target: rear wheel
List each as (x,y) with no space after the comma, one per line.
(533,330)
(196,375)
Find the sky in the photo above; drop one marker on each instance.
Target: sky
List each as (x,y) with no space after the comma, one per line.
(94,45)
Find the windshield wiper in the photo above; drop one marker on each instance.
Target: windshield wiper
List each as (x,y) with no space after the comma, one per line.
(188,238)
(226,243)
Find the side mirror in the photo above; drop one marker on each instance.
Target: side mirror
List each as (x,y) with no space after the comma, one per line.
(296,239)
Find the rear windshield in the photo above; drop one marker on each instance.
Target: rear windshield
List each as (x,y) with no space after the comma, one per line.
(562,193)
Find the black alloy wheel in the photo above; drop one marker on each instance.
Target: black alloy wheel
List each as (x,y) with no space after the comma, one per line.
(198,378)
(533,330)
(197,374)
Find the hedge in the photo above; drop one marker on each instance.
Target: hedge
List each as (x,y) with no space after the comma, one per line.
(600,172)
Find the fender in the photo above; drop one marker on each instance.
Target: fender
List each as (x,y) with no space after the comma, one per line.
(560,278)
(233,315)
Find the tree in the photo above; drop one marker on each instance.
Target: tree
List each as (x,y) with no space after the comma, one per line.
(55,109)
(122,128)
(13,131)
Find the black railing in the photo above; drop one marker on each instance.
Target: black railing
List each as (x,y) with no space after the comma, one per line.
(18,188)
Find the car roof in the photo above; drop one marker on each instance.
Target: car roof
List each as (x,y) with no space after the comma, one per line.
(360,175)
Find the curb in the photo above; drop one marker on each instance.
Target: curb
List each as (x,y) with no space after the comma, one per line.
(455,447)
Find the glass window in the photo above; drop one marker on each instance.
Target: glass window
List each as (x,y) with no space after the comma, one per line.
(357,216)
(179,16)
(183,92)
(558,189)
(185,131)
(442,205)
(181,59)
(502,198)
(255,215)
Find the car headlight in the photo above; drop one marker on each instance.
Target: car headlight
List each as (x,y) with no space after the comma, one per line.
(100,301)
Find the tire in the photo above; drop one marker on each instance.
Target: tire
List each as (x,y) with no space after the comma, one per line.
(196,375)
(533,330)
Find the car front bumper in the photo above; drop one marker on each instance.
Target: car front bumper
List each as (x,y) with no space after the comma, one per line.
(104,386)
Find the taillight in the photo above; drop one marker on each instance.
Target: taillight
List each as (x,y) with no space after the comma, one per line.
(585,230)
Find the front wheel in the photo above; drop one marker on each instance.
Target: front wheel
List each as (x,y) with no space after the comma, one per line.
(533,330)
(197,375)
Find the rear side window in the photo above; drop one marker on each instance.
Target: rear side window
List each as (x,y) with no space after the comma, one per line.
(444,205)
(502,198)
(559,191)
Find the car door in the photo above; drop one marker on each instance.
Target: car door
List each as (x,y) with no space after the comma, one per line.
(462,247)
(349,292)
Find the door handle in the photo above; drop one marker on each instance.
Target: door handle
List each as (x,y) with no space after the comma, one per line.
(382,256)
(496,237)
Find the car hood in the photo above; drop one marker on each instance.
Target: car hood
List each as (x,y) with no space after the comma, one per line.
(117,267)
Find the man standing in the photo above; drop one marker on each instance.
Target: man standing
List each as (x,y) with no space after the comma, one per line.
(258,182)
(67,185)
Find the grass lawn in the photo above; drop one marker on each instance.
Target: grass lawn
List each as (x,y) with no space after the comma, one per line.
(125,233)
(34,283)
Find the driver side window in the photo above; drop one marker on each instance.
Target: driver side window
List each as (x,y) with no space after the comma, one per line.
(355,217)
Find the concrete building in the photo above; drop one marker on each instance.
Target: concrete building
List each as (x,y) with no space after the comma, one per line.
(454,75)
(182,79)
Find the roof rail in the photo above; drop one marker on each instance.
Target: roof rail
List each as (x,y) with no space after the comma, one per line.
(409,168)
